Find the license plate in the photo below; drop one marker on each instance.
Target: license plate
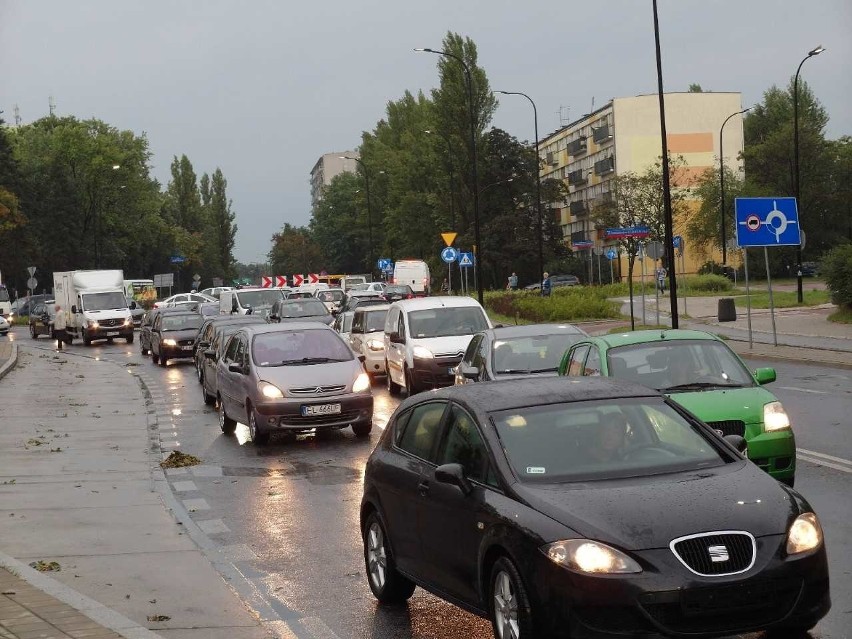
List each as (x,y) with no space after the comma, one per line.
(186,348)
(320,409)
(113,333)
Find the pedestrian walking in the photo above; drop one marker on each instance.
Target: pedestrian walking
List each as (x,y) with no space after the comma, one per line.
(545,285)
(513,282)
(661,278)
(59,327)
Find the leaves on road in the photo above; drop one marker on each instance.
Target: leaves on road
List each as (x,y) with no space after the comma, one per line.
(46,566)
(158,617)
(178,459)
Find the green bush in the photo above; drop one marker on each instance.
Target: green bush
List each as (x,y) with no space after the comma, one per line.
(837,270)
(564,304)
(709,283)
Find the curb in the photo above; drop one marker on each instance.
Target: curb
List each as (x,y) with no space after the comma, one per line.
(11,362)
(97,612)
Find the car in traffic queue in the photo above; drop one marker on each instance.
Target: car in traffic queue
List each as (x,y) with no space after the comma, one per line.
(586,508)
(136,312)
(331,297)
(4,326)
(204,337)
(361,298)
(148,324)
(291,378)
(308,309)
(343,324)
(173,335)
(249,301)
(366,337)
(396,292)
(41,319)
(509,352)
(182,298)
(425,339)
(215,291)
(701,373)
(210,350)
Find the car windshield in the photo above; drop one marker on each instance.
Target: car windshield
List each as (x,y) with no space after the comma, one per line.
(330,296)
(679,365)
(447,321)
(257,299)
(307,307)
(181,322)
(104,301)
(397,290)
(209,310)
(299,348)
(581,441)
(357,287)
(531,354)
(375,320)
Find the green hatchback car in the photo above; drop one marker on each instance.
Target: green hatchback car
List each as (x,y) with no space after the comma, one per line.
(702,374)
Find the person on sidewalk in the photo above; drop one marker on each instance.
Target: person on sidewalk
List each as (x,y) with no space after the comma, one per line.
(513,282)
(59,327)
(545,285)
(662,274)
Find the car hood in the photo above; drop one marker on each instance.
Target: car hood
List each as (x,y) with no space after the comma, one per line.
(179,335)
(745,404)
(450,346)
(645,513)
(313,375)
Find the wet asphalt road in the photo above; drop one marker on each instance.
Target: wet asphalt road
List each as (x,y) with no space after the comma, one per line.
(286,515)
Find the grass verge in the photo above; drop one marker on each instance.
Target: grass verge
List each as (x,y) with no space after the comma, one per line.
(841,316)
(785,299)
(569,304)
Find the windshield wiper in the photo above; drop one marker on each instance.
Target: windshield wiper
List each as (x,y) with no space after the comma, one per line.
(699,386)
(308,360)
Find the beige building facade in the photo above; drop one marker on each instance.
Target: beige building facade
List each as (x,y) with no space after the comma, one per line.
(326,168)
(624,136)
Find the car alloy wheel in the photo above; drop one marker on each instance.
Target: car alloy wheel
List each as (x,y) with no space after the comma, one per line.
(505,607)
(258,438)
(227,424)
(376,556)
(387,584)
(33,333)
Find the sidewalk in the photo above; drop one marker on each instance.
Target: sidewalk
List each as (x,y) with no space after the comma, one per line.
(79,480)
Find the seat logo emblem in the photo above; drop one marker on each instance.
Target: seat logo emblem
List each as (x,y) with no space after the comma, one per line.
(718,554)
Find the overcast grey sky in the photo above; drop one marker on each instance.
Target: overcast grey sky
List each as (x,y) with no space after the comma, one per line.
(262,89)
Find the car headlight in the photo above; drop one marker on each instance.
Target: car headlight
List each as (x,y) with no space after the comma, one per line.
(269,391)
(805,534)
(93,324)
(775,417)
(362,383)
(169,342)
(375,345)
(128,321)
(585,555)
(421,352)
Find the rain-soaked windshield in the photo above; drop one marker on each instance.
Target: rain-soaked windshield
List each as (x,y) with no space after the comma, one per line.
(257,299)
(104,301)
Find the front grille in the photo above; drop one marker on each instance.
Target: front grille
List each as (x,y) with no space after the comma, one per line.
(317,391)
(716,553)
(732,608)
(455,356)
(729,427)
(106,323)
(315,420)
(186,342)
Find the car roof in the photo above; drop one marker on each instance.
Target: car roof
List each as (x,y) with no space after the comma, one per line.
(446,301)
(643,337)
(234,319)
(370,308)
(534,329)
(260,329)
(537,391)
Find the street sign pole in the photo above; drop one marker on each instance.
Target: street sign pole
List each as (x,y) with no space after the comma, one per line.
(771,301)
(657,289)
(644,295)
(748,296)
(450,278)
(683,279)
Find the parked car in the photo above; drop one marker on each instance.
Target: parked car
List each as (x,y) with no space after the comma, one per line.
(21,306)
(207,356)
(396,292)
(563,280)
(172,336)
(184,297)
(343,324)
(136,312)
(810,269)
(598,508)
(425,339)
(366,337)
(41,319)
(300,310)
(702,374)
(516,351)
(290,378)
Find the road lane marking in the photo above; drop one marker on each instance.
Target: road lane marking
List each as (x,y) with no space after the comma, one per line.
(804,390)
(822,462)
(813,453)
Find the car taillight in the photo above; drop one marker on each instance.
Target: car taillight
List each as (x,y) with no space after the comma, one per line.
(409,296)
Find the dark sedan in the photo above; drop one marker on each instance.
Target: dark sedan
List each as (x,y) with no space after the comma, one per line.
(396,292)
(309,309)
(145,330)
(173,335)
(204,338)
(41,319)
(516,351)
(591,508)
(210,349)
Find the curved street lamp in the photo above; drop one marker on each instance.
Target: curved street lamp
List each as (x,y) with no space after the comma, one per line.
(722,183)
(811,53)
(478,247)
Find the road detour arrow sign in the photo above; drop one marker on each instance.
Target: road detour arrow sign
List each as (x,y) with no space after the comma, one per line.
(298,280)
(313,278)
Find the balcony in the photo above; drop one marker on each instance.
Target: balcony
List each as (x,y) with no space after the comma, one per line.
(602,134)
(577,147)
(578,177)
(607,165)
(579,208)
(551,159)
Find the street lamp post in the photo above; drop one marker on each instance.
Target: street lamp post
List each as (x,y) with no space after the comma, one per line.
(115,167)
(537,184)
(722,184)
(478,247)
(369,210)
(452,180)
(811,53)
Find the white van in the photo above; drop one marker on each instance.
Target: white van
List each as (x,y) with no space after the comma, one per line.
(426,338)
(257,301)
(414,273)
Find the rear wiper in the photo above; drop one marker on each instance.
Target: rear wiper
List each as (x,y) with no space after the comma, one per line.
(698,386)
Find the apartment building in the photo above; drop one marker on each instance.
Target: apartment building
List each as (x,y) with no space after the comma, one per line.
(624,135)
(328,166)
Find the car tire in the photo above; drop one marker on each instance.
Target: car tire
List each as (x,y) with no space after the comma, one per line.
(508,602)
(68,339)
(154,357)
(209,399)
(363,429)
(258,437)
(164,361)
(393,388)
(388,585)
(226,424)
(130,338)
(87,341)
(33,333)
(143,350)
(410,388)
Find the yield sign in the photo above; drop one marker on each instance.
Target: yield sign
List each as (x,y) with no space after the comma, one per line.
(280,280)
(298,280)
(449,238)
(266,281)
(313,278)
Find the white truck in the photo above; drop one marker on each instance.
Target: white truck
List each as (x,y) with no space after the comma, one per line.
(94,304)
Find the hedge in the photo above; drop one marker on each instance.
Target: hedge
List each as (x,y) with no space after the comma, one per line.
(568,304)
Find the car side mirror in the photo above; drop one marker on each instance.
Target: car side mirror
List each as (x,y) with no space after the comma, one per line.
(765,375)
(249,310)
(210,353)
(498,326)
(74,309)
(132,306)
(737,442)
(235,367)
(396,338)
(471,373)
(453,474)
(273,317)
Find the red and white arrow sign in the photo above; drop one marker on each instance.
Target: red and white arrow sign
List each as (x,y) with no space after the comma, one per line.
(313,278)
(280,280)
(266,281)
(298,280)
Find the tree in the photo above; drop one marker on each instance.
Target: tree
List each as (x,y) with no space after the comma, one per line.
(695,88)
(703,227)
(220,229)
(339,224)
(294,252)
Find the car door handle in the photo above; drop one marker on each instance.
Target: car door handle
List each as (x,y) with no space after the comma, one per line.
(423,487)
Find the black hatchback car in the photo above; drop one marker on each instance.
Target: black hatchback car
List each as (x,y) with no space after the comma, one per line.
(173,336)
(41,319)
(590,508)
